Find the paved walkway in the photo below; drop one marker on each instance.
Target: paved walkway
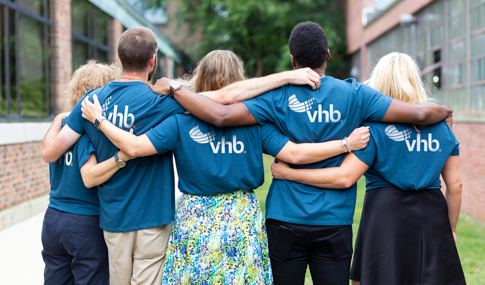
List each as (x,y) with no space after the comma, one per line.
(20,253)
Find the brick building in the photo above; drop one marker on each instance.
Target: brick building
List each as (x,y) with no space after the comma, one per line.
(447,38)
(42,42)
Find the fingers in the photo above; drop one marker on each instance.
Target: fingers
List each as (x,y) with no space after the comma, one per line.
(95,99)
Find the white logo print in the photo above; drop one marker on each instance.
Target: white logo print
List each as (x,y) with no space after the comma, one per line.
(300,107)
(126,119)
(198,136)
(431,144)
(66,158)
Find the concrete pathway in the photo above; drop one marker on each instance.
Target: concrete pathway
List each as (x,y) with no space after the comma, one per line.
(20,253)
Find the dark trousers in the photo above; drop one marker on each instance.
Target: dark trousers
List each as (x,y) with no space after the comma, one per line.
(327,250)
(74,249)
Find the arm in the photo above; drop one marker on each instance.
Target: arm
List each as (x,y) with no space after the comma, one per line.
(420,114)
(313,152)
(206,109)
(452,177)
(247,89)
(342,177)
(57,141)
(94,173)
(134,146)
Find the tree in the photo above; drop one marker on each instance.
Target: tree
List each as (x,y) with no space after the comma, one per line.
(258,30)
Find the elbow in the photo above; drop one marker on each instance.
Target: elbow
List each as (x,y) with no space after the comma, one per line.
(221,120)
(47,156)
(133,152)
(296,159)
(88,182)
(421,117)
(346,183)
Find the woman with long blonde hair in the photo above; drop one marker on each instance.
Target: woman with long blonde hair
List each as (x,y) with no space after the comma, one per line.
(219,235)
(407,232)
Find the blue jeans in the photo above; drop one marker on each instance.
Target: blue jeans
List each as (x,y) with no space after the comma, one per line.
(74,249)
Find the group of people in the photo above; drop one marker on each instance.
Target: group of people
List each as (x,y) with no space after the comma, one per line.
(115,220)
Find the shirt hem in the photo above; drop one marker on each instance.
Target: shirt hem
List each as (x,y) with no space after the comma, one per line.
(131,229)
(316,222)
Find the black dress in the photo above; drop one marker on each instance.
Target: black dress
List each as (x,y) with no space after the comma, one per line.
(405,238)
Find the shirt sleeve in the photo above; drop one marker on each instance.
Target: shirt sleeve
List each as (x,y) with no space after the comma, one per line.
(368,154)
(272,139)
(262,107)
(171,105)
(456,149)
(75,120)
(84,150)
(165,136)
(374,103)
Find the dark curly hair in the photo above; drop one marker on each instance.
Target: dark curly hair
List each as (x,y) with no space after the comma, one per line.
(308,44)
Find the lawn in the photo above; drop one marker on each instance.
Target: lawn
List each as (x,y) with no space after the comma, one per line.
(470,232)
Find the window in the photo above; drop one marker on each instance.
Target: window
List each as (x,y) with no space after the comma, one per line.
(25,59)
(89,33)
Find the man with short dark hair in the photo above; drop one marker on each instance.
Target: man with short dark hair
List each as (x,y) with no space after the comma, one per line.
(308,225)
(137,203)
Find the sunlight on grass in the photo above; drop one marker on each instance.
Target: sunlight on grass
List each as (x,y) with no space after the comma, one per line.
(470,232)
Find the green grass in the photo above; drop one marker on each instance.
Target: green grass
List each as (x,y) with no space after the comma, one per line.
(470,232)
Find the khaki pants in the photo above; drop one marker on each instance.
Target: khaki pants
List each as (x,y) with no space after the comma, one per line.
(137,257)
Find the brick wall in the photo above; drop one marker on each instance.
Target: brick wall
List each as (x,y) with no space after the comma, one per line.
(62,54)
(472,166)
(115,29)
(24,175)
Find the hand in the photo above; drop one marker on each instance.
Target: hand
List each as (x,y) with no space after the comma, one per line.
(91,110)
(449,121)
(62,116)
(162,86)
(359,138)
(280,169)
(304,76)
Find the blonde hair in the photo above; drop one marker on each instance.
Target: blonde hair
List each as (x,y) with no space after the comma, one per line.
(216,70)
(92,75)
(397,75)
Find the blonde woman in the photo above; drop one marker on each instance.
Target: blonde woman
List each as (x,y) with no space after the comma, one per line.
(406,234)
(74,250)
(219,235)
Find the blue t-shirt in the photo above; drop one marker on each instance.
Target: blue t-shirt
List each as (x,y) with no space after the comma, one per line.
(212,160)
(140,195)
(400,156)
(306,116)
(68,192)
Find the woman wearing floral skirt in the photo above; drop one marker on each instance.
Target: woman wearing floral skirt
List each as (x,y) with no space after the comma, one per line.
(219,235)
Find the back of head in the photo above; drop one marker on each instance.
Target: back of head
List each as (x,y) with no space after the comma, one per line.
(90,76)
(216,70)
(397,75)
(136,47)
(308,45)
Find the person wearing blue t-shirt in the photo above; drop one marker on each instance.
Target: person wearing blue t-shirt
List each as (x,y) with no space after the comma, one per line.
(74,250)
(137,204)
(407,230)
(309,225)
(219,230)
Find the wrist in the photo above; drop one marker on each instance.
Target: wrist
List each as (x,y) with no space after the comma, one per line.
(346,145)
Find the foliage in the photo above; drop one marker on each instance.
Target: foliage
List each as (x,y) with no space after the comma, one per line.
(258,30)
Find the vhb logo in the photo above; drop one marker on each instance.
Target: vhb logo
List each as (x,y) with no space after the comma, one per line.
(126,119)
(431,144)
(198,136)
(300,107)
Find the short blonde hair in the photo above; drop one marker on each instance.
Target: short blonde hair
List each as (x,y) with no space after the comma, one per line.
(216,70)
(92,75)
(398,76)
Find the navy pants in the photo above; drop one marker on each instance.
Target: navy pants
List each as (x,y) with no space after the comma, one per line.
(74,249)
(327,250)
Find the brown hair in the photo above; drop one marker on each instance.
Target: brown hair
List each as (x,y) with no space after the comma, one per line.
(136,47)
(92,75)
(216,70)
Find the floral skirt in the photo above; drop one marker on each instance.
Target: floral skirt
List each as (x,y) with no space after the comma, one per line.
(218,239)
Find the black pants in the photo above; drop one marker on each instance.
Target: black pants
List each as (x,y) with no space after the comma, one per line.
(326,249)
(74,249)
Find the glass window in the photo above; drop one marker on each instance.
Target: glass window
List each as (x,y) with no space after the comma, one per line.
(458,99)
(457,52)
(456,7)
(36,6)
(160,72)
(437,36)
(436,13)
(90,33)
(32,67)
(478,70)
(478,97)
(457,27)
(457,75)
(477,45)
(24,60)
(477,18)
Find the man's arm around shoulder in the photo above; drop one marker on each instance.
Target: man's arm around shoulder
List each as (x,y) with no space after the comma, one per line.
(57,141)
(420,114)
